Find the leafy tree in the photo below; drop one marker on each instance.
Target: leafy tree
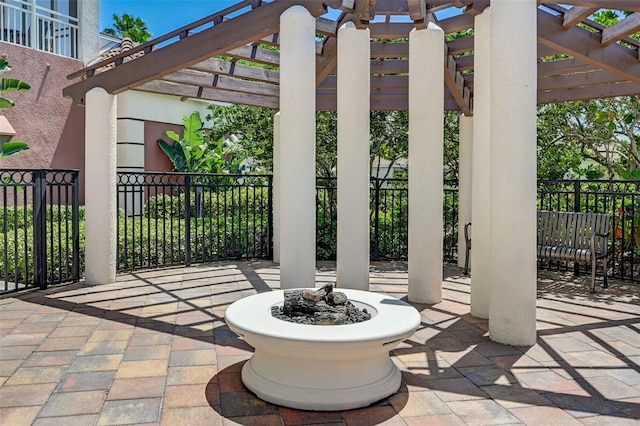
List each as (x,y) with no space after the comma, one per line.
(129,26)
(200,151)
(7,147)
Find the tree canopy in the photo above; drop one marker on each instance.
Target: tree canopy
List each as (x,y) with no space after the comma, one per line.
(129,26)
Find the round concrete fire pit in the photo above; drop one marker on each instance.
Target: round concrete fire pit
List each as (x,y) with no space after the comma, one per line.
(322,367)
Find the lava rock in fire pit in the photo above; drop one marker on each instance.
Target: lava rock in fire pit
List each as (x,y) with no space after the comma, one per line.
(319,307)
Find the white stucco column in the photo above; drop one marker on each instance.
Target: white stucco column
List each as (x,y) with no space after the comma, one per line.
(297,148)
(276,188)
(353,157)
(481,177)
(100,181)
(465,153)
(426,117)
(512,311)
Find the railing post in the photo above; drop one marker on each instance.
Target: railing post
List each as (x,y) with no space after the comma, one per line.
(40,228)
(270,216)
(187,226)
(576,208)
(376,218)
(75,227)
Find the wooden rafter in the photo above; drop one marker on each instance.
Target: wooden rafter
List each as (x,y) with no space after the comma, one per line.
(591,92)
(586,46)
(629,5)
(193,49)
(220,67)
(200,79)
(454,81)
(627,26)
(575,15)
(327,62)
(220,60)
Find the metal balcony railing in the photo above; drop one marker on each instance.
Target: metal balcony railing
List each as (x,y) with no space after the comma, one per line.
(26,24)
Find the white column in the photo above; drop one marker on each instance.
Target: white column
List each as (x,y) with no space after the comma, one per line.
(512,311)
(297,148)
(426,117)
(465,153)
(353,157)
(100,196)
(481,161)
(276,188)
(130,158)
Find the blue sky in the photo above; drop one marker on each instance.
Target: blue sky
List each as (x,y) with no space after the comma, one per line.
(161,16)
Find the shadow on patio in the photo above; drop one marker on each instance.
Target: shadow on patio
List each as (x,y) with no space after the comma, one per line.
(153,348)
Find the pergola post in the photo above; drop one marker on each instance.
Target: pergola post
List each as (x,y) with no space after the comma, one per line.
(100,197)
(297,148)
(481,167)
(465,153)
(512,311)
(275,194)
(353,157)
(426,117)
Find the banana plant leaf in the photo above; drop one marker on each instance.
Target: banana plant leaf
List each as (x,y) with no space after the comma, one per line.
(10,148)
(175,154)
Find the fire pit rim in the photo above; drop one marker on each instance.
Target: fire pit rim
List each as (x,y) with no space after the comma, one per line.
(253,315)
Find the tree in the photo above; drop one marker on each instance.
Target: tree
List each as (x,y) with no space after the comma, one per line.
(7,147)
(199,151)
(130,27)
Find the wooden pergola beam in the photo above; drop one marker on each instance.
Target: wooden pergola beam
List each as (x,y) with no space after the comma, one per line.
(200,79)
(221,67)
(193,49)
(586,46)
(586,93)
(454,80)
(575,15)
(628,5)
(208,94)
(568,81)
(620,30)
(328,61)
(563,66)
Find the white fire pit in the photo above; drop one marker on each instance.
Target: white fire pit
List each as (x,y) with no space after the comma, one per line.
(322,367)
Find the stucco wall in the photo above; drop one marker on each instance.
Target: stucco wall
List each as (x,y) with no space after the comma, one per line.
(42,117)
(154,159)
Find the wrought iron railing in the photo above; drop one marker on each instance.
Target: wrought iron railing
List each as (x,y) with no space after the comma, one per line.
(389,219)
(40,238)
(27,24)
(178,219)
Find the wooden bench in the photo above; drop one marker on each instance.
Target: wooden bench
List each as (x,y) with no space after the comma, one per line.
(568,236)
(577,237)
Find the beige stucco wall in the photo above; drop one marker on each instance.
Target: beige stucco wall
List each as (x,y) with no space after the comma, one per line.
(42,117)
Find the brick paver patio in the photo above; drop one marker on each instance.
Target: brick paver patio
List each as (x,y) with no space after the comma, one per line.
(153,348)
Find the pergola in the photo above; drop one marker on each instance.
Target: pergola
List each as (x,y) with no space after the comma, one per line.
(382,55)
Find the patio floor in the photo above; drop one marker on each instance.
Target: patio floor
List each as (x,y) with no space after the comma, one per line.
(153,348)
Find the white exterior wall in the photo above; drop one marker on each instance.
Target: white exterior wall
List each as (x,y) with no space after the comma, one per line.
(512,312)
(481,170)
(353,157)
(155,107)
(297,148)
(426,139)
(89,30)
(100,196)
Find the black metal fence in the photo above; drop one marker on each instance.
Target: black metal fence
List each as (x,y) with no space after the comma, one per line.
(389,219)
(40,238)
(177,219)
(620,199)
